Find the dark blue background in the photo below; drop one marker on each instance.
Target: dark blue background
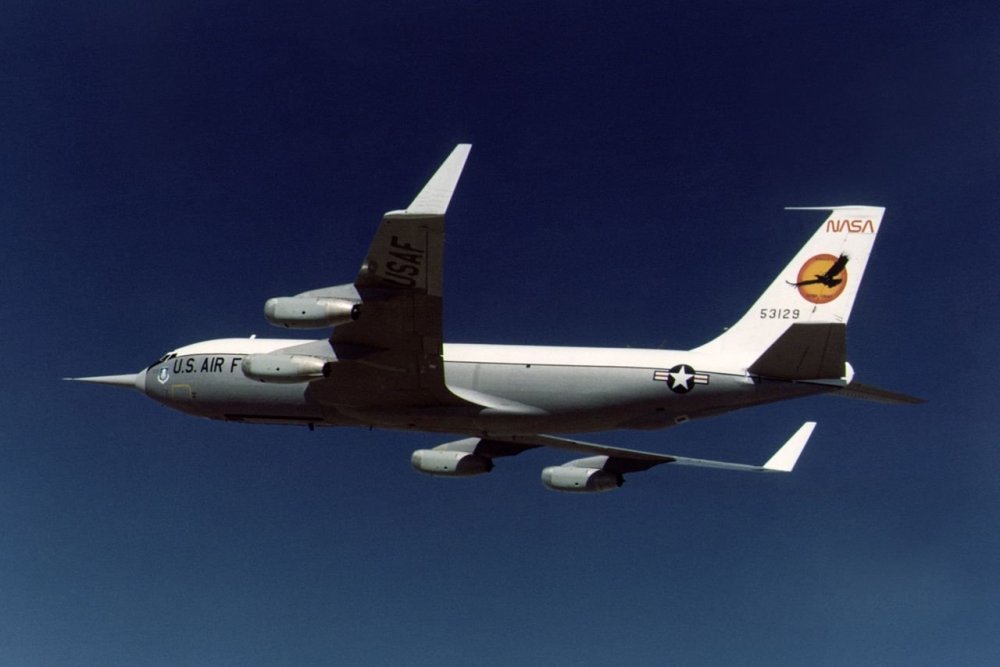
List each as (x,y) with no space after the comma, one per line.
(164,170)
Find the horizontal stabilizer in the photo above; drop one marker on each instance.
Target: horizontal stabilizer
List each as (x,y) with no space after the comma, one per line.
(868,393)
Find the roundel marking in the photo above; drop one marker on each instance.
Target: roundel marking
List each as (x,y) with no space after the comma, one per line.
(681,378)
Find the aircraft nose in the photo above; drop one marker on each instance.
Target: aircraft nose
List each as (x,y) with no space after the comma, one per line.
(134,380)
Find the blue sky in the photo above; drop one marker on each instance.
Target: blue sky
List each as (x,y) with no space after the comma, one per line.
(166,170)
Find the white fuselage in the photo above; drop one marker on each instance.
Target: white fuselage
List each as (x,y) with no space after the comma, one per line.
(505,389)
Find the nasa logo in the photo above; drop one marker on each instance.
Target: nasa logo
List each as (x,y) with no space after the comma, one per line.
(163,375)
(850,226)
(822,278)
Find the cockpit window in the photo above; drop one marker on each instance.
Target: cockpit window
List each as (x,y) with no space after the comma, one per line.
(166,357)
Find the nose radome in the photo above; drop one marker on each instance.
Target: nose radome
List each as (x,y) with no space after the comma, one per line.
(133,380)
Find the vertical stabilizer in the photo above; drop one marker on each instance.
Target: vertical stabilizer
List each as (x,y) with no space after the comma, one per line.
(817,287)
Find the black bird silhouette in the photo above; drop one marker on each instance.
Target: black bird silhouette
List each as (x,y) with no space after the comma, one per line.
(829,278)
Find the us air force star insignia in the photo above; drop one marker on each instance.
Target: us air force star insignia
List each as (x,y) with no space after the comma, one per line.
(681,378)
(163,375)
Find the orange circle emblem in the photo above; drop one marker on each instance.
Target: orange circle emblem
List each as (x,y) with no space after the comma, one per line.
(822,278)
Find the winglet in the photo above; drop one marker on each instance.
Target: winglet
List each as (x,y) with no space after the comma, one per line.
(436,195)
(784,459)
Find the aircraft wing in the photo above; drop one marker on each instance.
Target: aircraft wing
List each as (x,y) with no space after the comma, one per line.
(603,470)
(392,353)
(619,460)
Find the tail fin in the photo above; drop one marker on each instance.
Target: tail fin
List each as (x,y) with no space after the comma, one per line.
(795,330)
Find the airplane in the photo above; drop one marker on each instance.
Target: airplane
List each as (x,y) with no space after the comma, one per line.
(385,365)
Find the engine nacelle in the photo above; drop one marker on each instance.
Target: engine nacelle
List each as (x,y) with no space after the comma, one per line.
(296,312)
(285,368)
(450,463)
(571,478)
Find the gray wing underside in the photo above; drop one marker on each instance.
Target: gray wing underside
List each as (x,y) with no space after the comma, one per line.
(392,355)
(630,460)
(624,461)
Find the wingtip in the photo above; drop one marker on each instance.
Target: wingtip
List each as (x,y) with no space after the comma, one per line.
(784,459)
(437,193)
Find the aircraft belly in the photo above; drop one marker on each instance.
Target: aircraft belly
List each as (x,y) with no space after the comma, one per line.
(560,389)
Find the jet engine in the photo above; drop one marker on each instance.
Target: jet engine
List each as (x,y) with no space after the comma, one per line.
(572,478)
(446,463)
(285,368)
(295,312)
